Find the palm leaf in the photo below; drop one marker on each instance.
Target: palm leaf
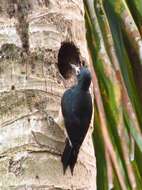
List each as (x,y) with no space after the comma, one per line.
(118,109)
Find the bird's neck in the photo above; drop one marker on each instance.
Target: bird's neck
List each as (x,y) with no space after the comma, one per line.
(84,85)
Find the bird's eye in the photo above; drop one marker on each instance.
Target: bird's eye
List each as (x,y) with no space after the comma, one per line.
(78,72)
(78,75)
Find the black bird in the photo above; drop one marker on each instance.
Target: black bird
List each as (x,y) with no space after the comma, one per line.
(76,107)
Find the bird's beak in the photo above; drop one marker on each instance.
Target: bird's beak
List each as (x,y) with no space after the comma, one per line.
(75,68)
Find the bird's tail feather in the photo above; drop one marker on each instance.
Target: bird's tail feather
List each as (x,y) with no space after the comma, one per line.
(69,157)
(66,155)
(73,159)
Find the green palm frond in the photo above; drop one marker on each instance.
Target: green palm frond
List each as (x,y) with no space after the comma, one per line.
(114,30)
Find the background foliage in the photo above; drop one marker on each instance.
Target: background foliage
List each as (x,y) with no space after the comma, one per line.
(114,34)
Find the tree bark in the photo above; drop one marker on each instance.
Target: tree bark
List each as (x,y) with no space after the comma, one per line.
(32,33)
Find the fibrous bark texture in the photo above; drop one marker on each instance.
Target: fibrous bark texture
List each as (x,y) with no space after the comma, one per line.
(32,33)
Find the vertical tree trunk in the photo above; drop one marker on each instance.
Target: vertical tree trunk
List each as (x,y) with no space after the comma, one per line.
(38,40)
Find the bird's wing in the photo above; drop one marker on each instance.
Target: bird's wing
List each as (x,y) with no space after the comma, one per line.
(77,112)
(71,121)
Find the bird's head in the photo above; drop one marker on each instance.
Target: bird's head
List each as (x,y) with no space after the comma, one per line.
(84,78)
(76,68)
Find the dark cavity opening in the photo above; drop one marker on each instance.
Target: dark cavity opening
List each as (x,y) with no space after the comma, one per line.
(68,54)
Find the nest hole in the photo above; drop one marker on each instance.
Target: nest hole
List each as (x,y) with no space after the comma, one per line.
(68,54)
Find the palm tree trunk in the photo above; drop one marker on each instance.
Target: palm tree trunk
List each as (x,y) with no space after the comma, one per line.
(32,36)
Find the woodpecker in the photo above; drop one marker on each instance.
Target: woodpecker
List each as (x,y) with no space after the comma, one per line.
(76,106)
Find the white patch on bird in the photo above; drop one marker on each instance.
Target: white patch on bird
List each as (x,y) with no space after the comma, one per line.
(76,68)
(60,121)
(66,134)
